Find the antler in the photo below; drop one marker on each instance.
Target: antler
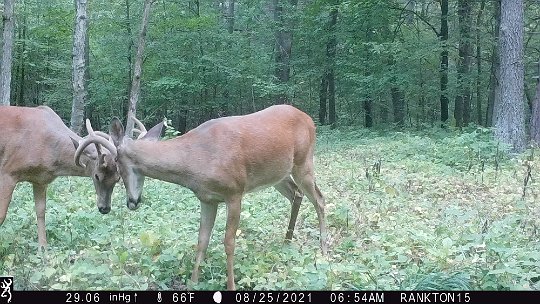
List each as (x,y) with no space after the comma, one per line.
(103,134)
(141,130)
(94,137)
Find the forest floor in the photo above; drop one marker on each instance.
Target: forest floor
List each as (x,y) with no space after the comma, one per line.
(405,210)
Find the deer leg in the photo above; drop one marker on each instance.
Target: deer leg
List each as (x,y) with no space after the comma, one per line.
(40,195)
(7,185)
(288,188)
(208,216)
(233,218)
(304,177)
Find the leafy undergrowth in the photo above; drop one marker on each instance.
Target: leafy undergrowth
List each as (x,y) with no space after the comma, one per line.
(405,210)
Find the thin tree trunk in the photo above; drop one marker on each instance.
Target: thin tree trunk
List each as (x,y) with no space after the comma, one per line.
(368,121)
(327,90)
(125,104)
(7,53)
(136,83)
(19,100)
(462,101)
(479,64)
(444,61)
(228,13)
(510,112)
(323,93)
(535,113)
(398,105)
(331,58)
(282,48)
(80,93)
(495,68)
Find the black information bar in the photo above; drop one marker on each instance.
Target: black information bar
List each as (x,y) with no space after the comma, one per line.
(231,297)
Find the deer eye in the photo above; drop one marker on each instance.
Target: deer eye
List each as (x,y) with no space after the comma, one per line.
(97,177)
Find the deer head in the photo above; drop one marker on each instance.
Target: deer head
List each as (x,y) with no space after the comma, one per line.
(115,144)
(133,179)
(100,164)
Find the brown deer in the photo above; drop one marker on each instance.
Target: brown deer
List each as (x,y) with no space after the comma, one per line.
(223,159)
(36,147)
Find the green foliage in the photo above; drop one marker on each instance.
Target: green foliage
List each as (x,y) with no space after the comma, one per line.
(194,69)
(442,281)
(170,131)
(421,221)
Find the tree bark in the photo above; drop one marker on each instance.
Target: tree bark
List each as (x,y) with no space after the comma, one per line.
(535,113)
(129,57)
(7,53)
(368,113)
(462,104)
(19,99)
(331,58)
(444,61)
(137,69)
(323,93)
(282,48)
(80,92)
(228,14)
(327,91)
(479,88)
(510,112)
(398,105)
(495,68)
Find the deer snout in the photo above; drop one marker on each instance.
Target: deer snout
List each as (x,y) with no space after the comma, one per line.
(133,204)
(104,210)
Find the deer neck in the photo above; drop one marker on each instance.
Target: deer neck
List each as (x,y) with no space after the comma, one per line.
(65,163)
(172,160)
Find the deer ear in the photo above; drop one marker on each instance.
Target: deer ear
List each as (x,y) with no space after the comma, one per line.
(88,151)
(155,133)
(116,131)
(75,142)
(101,160)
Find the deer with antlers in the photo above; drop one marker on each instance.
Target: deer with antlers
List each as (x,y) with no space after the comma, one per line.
(35,147)
(221,161)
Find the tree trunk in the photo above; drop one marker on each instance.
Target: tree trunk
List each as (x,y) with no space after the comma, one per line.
(137,69)
(282,48)
(80,93)
(332,118)
(479,88)
(182,121)
(323,93)
(398,105)
(409,14)
(19,99)
(331,57)
(327,91)
(510,112)
(7,53)
(463,98)
(495,68)
(444,61)
(368,121)
(228,13)
(535,113)
(125,103)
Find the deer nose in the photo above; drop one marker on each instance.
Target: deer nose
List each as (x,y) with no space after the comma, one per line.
(133,204)
(104,210)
